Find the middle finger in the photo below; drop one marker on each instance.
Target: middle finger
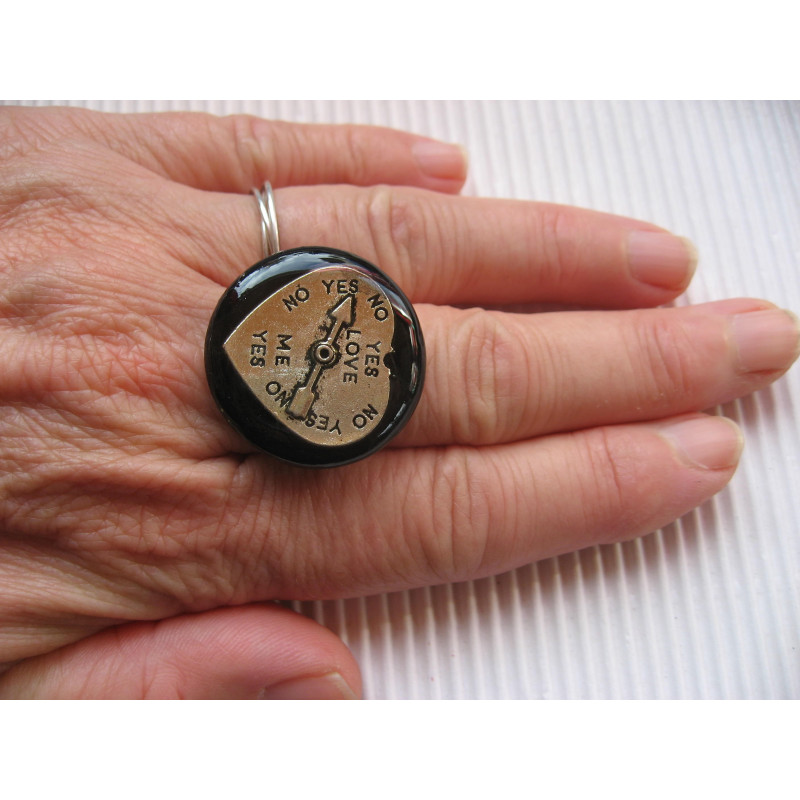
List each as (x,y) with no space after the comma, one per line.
(459,250)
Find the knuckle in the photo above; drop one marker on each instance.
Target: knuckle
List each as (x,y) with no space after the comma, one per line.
(357,151)
(553,238)
(490,371)
(604,491)
(461,502)
(253,143)
(668,353)
(613,492)
(396,226)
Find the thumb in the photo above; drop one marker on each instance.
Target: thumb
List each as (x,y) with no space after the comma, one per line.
(245,652)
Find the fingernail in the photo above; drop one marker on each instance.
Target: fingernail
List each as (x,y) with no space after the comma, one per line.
(706,442)
(440,159)
(316,687)
(766,340)
(661,259)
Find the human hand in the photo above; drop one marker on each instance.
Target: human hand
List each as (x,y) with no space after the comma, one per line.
(140,533)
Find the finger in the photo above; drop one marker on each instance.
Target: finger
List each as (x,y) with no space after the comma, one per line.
(415,517)
(236,153)
(439,249)
(462,250)
(495,377)
(248,652)
(403,518)
(491,377)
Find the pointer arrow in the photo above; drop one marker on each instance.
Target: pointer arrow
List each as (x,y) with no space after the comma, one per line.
(323,354)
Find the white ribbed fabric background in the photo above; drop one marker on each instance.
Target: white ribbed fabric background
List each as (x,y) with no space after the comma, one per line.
(710,606)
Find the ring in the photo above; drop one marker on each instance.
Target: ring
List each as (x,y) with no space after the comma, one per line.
(314,354)
(270,244)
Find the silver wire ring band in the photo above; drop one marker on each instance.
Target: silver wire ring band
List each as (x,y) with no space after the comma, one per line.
(269,220)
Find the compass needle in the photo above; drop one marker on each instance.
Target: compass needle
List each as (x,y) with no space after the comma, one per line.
(304,394)
(344,313)
(323,354)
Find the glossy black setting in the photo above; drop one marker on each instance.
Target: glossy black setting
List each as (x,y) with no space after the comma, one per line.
(243,410)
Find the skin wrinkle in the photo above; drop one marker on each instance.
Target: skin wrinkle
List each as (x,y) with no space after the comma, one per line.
(159,155)
(387,220)
(310,549)
(623,500)
(43,303)
(481,335)
(13,142)
(352,141)
(501,352)
(469,551)
(541,239)
(437,552)
(158,208)
(61,186)
(52,236)
(446,553)
(248,510)
(123,476)
(447,241)
(266,539)
(563,254)
(313,556)
(53,564)
(405,231)
(253,146)
(464,345)
(159,149)
(66,612)
(518,512)
(202,249)
(115,360)
(64,607)
(37,131)
(670,354)
(419,230)
(87,434)
(412,493)
(553,378)
(230,243)
(175,229)
(438,383)
(322,554)
(485,371)
(316,219)
(613,485)
(87,411)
